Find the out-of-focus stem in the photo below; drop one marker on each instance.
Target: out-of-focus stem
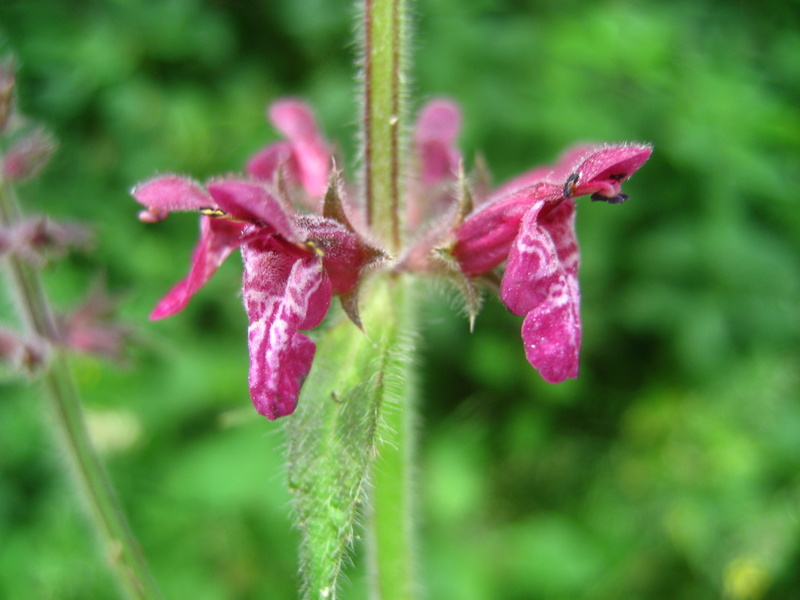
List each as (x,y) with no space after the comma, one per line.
(384,37)
(66,415)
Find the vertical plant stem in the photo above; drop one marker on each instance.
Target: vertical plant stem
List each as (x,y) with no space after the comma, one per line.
(391,535)
(66,414)
(384,37)
(392,523)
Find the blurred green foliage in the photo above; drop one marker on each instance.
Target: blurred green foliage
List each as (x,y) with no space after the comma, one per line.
(669,470)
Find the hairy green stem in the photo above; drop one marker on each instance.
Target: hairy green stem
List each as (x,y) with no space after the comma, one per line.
(66,414)
(390,523)
(391,520)
(384,36)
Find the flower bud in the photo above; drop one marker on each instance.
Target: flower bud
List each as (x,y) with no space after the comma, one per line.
(23,354)
(39,234)
(92,328)
(28,156)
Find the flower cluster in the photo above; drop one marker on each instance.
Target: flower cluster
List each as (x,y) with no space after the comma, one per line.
(294,261)
(28,243)
(529,223)
(291,220)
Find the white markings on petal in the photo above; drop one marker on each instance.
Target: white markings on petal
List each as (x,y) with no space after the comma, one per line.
(279,291)
(540,282)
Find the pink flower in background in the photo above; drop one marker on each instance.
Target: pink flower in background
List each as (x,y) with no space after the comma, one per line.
(530,222)
(91,327)
(431,191)
(293,264)
(303,159)
(28,155)
(38,238)
(435,135)
(22,352)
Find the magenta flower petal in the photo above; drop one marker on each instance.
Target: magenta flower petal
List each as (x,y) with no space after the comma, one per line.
(540,282)
(282,294)
(296,121)
(537,175)
(603,172)
(559,222)
(569,161)
(434,136)
(250,201)
(552,335)
(616,162)
(218,238)
(163,195)
(484,239)
(556,174)
(264,165)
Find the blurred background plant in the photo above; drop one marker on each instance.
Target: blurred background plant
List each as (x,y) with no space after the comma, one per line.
(669,469)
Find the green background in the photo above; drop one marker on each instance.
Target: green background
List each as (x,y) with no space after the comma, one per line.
(669,470)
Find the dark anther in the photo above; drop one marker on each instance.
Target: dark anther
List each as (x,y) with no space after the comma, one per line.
(569,186)
(618,199)
(618,176)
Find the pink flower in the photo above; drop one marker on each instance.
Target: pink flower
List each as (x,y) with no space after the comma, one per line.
(36,238)
(435,134)
(303,160)
(293,264)
(24,354)
(431,192)
(28,155)
(91,327)
(530,223)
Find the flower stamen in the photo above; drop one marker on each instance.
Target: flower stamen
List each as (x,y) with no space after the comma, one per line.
(215,213)
(571,184)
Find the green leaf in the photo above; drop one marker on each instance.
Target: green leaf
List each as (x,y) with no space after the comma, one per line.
(338,428)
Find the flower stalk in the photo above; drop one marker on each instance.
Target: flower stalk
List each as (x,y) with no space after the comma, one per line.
(390,522)
(392,537)
(106,515)
(383,73)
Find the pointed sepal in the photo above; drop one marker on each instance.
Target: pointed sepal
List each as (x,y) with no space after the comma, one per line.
(481,177)
(349,301)
(332,207)
(469,288)
(466,203)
